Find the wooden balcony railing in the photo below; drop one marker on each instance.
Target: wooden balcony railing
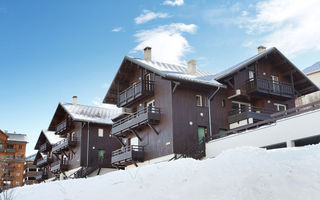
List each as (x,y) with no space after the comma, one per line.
(44,161)
(44,147)
(7,177)
(64,144)
(127,155)
(246,112)
(64,126)
(149,115)
(59,166)
(268,86)
(139,90)
(41,176)
(8,150)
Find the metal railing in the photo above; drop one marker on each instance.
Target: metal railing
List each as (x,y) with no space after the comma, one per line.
(135,90)
(136,114)
(62,126)
(43,147)
(269,86)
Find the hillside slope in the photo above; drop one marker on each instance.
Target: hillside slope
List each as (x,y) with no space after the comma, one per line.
(243,173)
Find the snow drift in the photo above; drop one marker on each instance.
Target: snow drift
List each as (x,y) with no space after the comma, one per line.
(243,173)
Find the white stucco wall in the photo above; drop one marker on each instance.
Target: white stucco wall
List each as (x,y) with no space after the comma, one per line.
(286,130)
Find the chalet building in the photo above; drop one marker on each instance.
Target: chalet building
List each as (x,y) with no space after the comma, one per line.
(169,108)
(12,158)
(44,157)
(313,73)
(77,142)
(30,170)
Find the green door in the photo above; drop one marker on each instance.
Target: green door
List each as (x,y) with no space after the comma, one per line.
(101,153)
(201,133)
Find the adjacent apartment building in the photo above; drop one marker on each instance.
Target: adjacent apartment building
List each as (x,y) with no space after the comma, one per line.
(169,109)
(12,158)
(77,142)
(313,73)
(30,170)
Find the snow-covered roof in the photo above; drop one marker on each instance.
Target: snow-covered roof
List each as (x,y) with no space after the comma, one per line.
(91,114)
(176,71)
(52,137)
(238,66)
(14,137)
(313,68)
(31,158)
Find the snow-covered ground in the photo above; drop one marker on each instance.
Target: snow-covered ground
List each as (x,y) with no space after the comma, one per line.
(243,173)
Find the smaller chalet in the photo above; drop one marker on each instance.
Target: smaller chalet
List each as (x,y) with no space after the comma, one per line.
(77,142)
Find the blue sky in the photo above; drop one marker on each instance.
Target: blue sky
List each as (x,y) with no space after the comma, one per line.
(52,50)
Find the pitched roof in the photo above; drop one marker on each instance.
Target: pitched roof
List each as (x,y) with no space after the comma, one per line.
(313,68)
(14,137)
(244,63)
(31,158)
(51,137)
(91,114)
(176,71)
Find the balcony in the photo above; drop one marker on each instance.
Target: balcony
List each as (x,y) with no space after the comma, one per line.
(44,147)
(127,155)
(8,150)
(59,166)
(249,112)
(64,126)
(41,176)
(44,161)
(64,144)
(136,92)
(10,167)
(148,115)
(264,86)
(7,177)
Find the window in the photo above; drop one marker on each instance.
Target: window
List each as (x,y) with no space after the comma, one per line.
(101,153)
(251,75)
(100,132)
(151,104)
(18,173)
(19,165)
(280,107)
(17,183)
(223,103)
(20,146)
(239,107)
(9,146)
(199,100)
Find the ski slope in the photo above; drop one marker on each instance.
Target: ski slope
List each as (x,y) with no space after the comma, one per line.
(243,173)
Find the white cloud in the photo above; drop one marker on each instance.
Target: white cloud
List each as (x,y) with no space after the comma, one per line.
(167,42)
(97,101)
(173,2)
(117,29)
(147,15)
(291,25)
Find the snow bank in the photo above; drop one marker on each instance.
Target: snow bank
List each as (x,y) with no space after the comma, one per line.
(243,173)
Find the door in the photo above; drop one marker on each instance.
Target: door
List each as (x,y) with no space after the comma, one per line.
(275,84)
(148,79)
(134,141)
(151,105)
(201,133)
(101,153)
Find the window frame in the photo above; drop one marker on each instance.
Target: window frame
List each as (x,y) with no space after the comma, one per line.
(100,132)
(200,100)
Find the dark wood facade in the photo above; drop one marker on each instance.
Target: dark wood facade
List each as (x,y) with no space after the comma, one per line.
(259,87)
(83,145)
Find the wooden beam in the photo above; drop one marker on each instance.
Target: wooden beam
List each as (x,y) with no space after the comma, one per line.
(119,140)
(153,129)
(136,134)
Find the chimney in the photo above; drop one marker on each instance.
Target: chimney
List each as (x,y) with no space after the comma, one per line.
(74,100)
(147,54)
(192,68)
(261,48)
